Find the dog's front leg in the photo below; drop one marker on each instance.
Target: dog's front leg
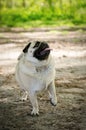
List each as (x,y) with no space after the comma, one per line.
(33,99)
(52,93)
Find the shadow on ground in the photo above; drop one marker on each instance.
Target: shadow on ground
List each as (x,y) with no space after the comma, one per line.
(70,56)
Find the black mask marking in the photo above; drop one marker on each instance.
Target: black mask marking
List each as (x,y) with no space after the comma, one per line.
(37,53)
(37,44)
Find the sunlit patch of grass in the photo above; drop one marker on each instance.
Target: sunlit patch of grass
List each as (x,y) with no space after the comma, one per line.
(35,17)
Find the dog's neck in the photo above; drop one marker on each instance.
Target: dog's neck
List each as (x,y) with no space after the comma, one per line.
(36,63)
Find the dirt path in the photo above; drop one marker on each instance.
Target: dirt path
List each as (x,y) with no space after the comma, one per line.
(69,51)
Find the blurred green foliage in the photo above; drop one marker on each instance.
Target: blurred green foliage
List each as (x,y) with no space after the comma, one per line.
(30,13)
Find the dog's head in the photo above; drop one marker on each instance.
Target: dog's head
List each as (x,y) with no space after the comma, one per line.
(38,50)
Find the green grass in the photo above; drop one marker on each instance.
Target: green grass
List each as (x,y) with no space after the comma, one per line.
(37,17)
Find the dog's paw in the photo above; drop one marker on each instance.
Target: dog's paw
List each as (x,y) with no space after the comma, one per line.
(23,98)
(53,101)
(35,113)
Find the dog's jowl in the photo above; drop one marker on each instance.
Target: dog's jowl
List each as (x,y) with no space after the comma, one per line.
(35,71)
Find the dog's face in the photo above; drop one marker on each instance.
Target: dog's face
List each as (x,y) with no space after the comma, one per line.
(38,50)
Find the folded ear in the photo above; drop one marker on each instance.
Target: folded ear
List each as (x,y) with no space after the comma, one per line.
(26,48)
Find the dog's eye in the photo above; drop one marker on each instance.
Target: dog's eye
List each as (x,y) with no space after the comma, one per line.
(37,44)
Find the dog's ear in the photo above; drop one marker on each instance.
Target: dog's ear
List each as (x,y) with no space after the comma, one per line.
(26,48)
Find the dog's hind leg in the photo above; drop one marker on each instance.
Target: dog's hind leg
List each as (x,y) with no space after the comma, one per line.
(52,93)
(24,95)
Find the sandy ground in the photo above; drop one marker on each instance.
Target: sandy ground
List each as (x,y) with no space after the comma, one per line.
(69,51)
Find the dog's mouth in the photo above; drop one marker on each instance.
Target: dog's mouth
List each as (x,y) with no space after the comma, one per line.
(44,51)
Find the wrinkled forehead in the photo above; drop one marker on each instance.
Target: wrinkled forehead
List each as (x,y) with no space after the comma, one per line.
(32,44)
(35,44)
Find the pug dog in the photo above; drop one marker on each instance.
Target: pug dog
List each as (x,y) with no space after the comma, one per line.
(35,71)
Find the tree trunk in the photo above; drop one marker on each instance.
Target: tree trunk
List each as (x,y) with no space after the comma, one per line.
(10,3)
(61,4)
(24,4)
(51,4)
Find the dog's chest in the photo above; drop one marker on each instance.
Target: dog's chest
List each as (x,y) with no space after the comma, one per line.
(31,83)
(34,77)
(42,69)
